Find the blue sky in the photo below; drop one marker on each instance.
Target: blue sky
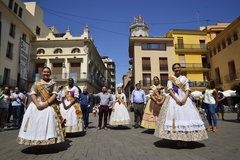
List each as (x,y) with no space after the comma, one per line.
(109,20)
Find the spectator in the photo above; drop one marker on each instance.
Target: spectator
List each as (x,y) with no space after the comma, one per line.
(4,105)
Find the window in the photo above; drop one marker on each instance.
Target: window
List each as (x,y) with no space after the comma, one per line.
(146,80)
(219,48)
(12,30)
(202,44)
(20,12)
(6,76)
(182,60)
(235,36)
(41,51)
(232,70)
(163,63)
(217,76)
(153,46)
(229,40)
(10,4)
(9,53)
(38,30)
(210,53)
(146,64)
(24,37)
(76,50)
(180,44)
(164,79)
(214,51)
(15,8)
(223,44)
(57,51)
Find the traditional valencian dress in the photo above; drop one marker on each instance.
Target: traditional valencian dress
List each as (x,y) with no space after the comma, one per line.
(177,122)
(42,127)
(152,109)
(120,115)
(73,115)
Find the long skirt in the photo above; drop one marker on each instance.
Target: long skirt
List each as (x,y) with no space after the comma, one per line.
(40,127)
(120,115)
(73,123)
(180,122)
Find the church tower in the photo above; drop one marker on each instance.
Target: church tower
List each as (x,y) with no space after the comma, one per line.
(139,28)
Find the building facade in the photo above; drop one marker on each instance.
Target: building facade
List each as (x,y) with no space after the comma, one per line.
(70,56)
(110,72)
(224,56)
(150,56)
(20,23)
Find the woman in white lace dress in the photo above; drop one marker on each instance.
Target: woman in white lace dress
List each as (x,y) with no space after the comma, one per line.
(179,119)
(120,115)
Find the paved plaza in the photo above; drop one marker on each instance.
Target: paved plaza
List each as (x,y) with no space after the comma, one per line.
(128,144)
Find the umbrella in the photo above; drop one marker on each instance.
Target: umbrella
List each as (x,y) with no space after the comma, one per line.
(229,93)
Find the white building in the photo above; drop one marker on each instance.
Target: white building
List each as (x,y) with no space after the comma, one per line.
(70,56)
(20,23)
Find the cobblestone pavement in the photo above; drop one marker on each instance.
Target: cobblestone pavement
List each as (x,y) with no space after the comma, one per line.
(128,143)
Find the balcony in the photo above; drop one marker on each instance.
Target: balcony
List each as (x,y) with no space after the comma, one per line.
(191,48)
(195,66)
(198,84)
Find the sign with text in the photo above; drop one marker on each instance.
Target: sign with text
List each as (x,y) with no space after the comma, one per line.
(24,46)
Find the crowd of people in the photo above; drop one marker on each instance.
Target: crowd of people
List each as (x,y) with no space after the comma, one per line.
(54,111)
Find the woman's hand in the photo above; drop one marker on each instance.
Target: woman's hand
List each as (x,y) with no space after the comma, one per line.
(178,102)
(183,101)
(42,106)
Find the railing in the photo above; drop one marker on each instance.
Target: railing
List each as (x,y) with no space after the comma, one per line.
(190,46)
(146,83)
(146,67)
(195,65)
(163,67)
(198,84)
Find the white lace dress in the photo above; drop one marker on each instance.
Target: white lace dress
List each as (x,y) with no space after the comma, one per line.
(120,115)
(177,122)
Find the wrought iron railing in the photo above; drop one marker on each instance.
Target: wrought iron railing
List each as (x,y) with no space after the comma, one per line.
(195,65)
(190,46)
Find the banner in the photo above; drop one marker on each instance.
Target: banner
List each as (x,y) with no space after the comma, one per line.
(74,77)
(24,59)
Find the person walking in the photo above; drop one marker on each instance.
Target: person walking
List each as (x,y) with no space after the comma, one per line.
(17,107)
(111,107)
(211,101)
(138,100)
(86,101)
(4,105)
(105,103)
(220,106)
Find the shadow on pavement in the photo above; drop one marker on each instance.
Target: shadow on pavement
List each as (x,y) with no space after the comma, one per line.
(120,127)
(54,148)
(76,135)
(231,120)
(149,131)
(173,144)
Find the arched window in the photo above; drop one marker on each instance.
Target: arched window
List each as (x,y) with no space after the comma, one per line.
(57,51)
(41,51)
(76,50)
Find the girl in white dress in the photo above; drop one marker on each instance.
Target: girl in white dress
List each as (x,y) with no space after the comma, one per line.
(70,108)
(120,115)
(42,123)
(179,119)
